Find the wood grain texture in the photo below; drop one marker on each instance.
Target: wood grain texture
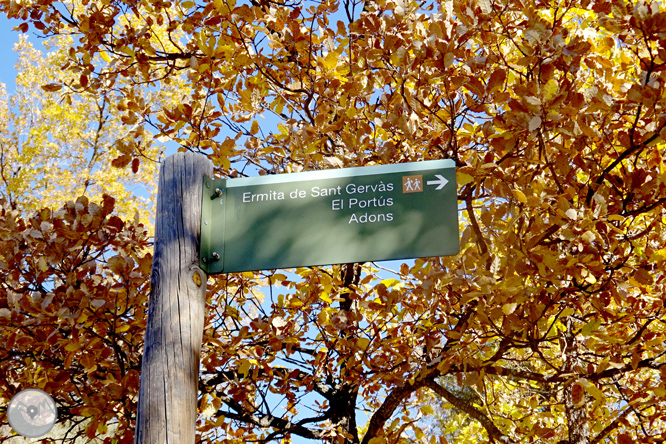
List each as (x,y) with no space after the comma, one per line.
(170,365)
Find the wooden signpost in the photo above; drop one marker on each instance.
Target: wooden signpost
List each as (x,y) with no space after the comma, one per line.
(281,221)
(167,410)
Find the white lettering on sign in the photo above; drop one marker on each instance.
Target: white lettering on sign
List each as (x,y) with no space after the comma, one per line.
(359,202)
(261,197)
(375,202)
(296,194)
(337,204)
(381,187)
(371,218)
(334,191)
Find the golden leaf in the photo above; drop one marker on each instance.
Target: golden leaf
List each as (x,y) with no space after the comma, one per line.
(255,127)
(520,196)
(463,179)
(330,62)
(509,308)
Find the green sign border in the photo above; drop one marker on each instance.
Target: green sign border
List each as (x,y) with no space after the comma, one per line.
(211,198)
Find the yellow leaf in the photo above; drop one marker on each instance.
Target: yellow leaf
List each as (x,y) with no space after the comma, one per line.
(351,112)
(233,312)
(427,410)
(207,407)
(391,283)
(127,50)
(567,312)
(363,343)
(520,196)
(496,79)
(660,391)
(590,327)
(255,127)
(220,100)
(323,318)
(331,61)
(41,264)
(105,56)
(463,179)
(295,303)
(590,279)
(509,308)
(588,236)
(485,6)
(220,6)
(324,297)
(122,328)
(244,367)
(592,389)
(550,88)
(658,256)
(89,411)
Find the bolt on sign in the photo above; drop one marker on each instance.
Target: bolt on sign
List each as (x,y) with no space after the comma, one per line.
(328,217)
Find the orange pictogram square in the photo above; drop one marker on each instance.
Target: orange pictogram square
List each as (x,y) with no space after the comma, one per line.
(412,184)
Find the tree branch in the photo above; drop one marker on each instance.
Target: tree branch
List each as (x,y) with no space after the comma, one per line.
(477,230)
(270,421)
(391,402)
(645,363)
(610,427)
(494,433)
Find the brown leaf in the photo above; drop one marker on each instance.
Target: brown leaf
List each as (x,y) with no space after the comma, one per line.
(578,394)
(121,161)
(23,27)
(108,203)
(624,438)
(496,80)
(52,87)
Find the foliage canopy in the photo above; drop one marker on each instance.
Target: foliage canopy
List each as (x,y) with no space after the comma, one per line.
(53,146)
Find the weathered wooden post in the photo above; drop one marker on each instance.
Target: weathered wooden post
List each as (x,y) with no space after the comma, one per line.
(172,347)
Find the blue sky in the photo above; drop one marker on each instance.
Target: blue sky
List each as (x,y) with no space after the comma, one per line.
(7,40)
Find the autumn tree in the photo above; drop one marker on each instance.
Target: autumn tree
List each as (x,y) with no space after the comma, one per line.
(549,325)
(62,267)
(56,142)
(72,316)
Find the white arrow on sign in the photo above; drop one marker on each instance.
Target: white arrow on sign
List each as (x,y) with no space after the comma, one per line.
(440,182)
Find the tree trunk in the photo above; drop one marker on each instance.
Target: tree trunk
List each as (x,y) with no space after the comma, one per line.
(170,365)
(343,403)
(575,404)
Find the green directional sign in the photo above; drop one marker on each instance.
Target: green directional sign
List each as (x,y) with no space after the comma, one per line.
(328,217)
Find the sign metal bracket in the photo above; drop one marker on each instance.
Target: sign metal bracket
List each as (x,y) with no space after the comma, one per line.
(211,257)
